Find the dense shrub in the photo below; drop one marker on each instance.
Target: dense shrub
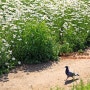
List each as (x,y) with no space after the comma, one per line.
(37,43)
(73,29)
(88,40)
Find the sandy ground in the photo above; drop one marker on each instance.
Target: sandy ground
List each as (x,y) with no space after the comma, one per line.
(47,75)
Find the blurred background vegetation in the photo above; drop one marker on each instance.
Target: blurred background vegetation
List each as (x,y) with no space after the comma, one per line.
(80,86)
(36,31)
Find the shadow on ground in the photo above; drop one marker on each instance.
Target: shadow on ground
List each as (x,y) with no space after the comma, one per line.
(36,67)
(70,81)
(28,68)
(4,78)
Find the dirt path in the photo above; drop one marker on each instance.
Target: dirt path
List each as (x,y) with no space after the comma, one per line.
(45,76)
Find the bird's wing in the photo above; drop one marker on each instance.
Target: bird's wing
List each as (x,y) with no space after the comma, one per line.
(71,74)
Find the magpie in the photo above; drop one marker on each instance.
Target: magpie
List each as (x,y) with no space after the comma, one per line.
(70,74)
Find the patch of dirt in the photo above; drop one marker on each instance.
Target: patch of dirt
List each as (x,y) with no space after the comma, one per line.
(77,55)
(47,75)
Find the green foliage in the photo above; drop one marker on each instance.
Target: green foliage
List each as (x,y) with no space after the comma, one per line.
(23,39)
(37,43)
(7,61)
(88,39)
(80,86)
(74,31)
(65,48)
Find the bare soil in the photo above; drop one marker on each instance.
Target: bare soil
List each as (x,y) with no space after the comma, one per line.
(47,75)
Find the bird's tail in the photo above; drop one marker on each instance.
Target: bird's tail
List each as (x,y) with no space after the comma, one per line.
(76,74)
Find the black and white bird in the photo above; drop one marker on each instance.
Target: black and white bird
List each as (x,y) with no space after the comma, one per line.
(70,74)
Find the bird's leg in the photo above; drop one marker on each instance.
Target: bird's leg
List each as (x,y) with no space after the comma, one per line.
(66,78)
(73,78)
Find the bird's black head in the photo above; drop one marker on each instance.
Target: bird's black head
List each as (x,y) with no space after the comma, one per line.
(66,66)
(67,70)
